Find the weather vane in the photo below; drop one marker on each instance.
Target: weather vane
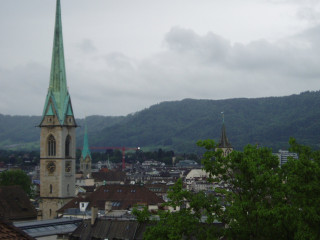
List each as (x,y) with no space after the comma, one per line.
(222,113)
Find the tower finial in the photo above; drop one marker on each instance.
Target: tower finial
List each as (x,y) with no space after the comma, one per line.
(222,114)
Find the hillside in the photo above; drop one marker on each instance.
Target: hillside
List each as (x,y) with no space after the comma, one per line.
(178,125)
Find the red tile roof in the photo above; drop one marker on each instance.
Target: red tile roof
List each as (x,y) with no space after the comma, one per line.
(123,197)
(15,204)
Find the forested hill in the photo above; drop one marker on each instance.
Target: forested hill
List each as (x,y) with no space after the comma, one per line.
(178,125)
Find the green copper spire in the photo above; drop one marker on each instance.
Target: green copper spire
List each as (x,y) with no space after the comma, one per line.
(58,97)
(85,149)
(58,82)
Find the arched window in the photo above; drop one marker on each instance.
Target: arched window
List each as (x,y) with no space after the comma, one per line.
(67,146)
(50,188)
(50,212)
(51,146)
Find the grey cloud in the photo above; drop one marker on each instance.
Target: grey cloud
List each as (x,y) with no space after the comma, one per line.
(283,58)
(24,89)
(87,46)
(210,47)
(117,60)
(309,14)
(191,66)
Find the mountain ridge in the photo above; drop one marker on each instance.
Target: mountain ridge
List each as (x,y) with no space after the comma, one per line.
(177,125)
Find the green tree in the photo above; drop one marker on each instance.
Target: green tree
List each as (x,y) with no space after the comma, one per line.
(16,177)
(302,189)
(185,223)
(252,190)
(142,215)
(256,199)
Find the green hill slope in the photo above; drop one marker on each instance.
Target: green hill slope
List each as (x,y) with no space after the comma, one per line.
(178,125)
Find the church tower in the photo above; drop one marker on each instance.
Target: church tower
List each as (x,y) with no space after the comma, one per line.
(85,159)
(57,137)
(224,143)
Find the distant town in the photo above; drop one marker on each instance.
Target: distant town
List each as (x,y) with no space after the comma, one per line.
(126,192)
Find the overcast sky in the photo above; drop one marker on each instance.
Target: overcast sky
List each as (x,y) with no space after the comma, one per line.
(125,55)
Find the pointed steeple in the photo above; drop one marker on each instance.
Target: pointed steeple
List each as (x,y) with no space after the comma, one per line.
(224,142)
(58,82)
(85,150)
(58,96)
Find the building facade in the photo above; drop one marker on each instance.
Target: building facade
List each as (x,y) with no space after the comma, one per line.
(58,136)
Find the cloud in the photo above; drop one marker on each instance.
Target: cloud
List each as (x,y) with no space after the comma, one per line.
(208,48)
(191,65)
(23,89)
(87,46)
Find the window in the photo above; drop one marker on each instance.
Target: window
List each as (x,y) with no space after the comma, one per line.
(68,188)
(50,188)
(50,212)
(51,146)
(67,146)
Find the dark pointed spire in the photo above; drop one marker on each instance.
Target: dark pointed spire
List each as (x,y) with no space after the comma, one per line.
(224,142)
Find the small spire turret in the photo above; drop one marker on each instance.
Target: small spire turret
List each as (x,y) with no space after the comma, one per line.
(85,150)
(85,159)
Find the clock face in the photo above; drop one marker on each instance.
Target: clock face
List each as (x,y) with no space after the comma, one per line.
(68,166)
(51,167)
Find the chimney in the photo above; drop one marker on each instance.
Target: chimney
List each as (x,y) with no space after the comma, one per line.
(94,213)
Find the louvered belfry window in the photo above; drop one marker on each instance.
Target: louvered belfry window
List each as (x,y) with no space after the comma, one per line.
(67,146)
(51,146)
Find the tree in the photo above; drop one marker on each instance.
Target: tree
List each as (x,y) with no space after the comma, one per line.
(254,197)
(251,190)
(185,223)
(302,189)
(16,177)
